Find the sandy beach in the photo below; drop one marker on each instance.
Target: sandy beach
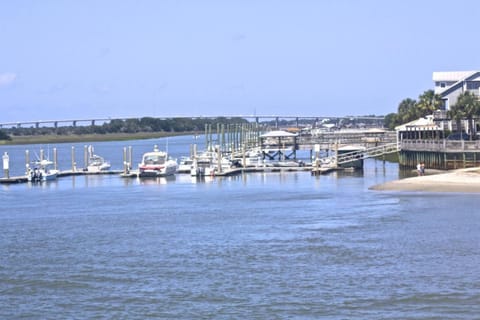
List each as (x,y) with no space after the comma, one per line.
(461,180)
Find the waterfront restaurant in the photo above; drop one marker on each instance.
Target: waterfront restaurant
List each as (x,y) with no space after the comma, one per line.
(428,140)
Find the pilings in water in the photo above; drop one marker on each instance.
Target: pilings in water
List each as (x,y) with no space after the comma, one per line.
(127,160)
(232,137)
(439,160)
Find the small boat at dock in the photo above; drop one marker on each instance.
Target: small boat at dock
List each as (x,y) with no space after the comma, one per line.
(156,164)
(41,171)
(185,165)
(96,163)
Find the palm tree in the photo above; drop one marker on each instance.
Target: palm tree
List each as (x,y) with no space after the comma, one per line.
(406,111)
(428,103)
(467,107)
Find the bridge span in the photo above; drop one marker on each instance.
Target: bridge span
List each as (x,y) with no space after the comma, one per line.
(253,118)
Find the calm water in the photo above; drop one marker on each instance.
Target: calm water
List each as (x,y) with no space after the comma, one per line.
(257,246)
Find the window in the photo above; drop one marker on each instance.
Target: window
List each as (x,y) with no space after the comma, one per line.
(473,85)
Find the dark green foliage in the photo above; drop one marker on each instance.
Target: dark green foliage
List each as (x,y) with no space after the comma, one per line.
(4,136)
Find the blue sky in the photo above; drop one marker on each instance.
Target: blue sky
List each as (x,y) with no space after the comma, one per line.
(102,58)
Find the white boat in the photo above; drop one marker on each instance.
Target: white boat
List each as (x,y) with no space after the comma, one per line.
(250,158)
(206,164)
(156,164)
(185,165)
(41,171)
(96,163)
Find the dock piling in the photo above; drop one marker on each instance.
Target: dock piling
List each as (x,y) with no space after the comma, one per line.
(6,165)
(85,156)
(27,161)
(125,162)
(73,159)
(55,159)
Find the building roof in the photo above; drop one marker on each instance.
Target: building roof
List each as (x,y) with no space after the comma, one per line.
(426,123)
(452,75)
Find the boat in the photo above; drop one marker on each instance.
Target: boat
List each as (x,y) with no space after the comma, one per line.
(250,158)
(185,165)
(156,164)
(41,171)
(207,164)
(96,163)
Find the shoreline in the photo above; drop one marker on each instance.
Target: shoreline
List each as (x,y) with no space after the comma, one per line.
(460,180)
(49,139)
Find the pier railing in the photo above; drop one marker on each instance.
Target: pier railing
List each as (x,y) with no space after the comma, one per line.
(441,145)
(327,139)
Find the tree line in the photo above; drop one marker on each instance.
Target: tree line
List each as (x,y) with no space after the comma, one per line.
(145,124)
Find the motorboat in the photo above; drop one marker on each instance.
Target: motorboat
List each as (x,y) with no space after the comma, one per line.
(96,163)
(250,158)
(41,171)
(207,164)
(156,164)
(185,165)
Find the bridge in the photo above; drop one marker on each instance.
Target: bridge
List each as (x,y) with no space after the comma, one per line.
(255,118)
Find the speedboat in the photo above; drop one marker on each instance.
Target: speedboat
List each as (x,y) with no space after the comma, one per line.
(156,164)
(41,171)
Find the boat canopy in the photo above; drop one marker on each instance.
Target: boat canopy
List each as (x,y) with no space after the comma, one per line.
(278,134)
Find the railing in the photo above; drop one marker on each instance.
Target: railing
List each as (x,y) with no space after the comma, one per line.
(342,137)
(367,153)
(440,145)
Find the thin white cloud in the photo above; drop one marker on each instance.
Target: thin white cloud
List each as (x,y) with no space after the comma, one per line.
(7,78)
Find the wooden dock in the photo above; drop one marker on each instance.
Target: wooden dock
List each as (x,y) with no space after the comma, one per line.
(324,170)
(66,173)
(224,173)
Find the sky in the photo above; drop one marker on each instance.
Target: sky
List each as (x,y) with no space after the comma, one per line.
(84,59)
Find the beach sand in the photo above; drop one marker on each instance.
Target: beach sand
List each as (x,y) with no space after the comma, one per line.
(461,180)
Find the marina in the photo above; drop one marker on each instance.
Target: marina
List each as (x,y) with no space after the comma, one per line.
(231,150)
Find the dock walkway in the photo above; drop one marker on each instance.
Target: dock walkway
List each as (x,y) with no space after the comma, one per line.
(134,173)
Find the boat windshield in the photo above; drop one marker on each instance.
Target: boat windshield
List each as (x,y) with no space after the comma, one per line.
(154,159)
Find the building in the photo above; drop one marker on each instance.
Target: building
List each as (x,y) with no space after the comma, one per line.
(435,139)
(449,85)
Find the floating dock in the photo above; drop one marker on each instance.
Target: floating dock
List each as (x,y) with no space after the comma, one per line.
(134,173)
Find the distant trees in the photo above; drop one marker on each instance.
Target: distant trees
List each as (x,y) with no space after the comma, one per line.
(146,124)
(4,135)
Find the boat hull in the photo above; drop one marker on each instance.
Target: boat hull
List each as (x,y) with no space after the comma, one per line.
(152,172)
(41,176)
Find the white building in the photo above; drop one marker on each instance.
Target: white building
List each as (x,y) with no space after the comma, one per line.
(449,85)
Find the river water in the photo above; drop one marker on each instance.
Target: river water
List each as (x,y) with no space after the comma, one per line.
(257,246)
